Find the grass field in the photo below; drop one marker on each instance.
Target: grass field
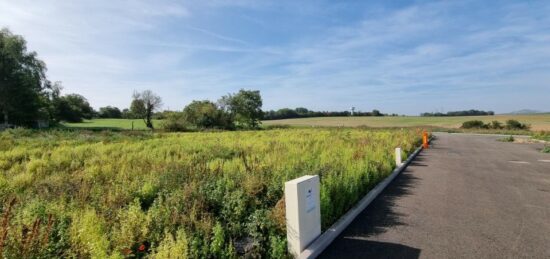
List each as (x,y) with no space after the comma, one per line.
(538,122)
(115,124)
(85,194)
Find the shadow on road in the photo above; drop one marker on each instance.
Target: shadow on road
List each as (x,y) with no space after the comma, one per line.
(373,249)
(377,218)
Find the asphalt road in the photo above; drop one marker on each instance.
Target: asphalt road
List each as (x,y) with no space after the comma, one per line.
(467,196)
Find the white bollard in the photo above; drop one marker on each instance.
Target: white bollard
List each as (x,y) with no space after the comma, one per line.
(398,157)
(303,212)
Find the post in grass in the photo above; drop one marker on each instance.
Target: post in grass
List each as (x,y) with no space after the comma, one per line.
(303,212)
(425,143)
(398,161)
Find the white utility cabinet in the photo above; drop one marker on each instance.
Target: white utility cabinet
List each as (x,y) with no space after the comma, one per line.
(303,212)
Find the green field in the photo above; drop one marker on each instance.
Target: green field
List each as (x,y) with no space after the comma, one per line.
(114,124)
(85,194)
(537,122)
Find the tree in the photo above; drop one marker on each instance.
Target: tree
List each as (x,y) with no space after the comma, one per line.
(302,111)
(23,82)
(245,107)
(144,105)
(126,114)
(110,112)
(72,108)
(206,114)
(137,108)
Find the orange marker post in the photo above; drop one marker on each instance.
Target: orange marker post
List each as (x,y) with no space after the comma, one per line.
(425,139)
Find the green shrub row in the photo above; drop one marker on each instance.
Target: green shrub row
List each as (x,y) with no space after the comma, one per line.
(509,125)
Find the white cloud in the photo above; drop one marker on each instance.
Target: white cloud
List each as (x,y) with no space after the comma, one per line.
(386,58)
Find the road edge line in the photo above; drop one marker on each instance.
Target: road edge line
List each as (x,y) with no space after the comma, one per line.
(327,237)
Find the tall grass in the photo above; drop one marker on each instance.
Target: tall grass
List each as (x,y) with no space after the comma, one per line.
(217,194)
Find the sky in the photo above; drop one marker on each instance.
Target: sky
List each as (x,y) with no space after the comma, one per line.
(403,57)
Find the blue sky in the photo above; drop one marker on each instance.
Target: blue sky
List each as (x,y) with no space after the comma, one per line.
(405,57)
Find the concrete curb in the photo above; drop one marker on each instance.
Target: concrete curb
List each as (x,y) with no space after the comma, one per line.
(326,238)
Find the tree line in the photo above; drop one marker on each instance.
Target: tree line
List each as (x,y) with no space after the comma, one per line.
(28,99)
(458,113)
(287,113)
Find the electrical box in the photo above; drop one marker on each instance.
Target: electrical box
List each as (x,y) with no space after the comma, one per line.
(303,212)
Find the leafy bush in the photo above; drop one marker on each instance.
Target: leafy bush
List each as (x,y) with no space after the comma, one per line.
(207,115)
(174,122)
(510,125)
(473,124)
(495,125)
(546,149)
(516,125)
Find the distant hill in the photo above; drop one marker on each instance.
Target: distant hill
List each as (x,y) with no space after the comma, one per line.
(525,111)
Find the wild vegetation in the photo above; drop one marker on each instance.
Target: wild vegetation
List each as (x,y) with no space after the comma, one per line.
(496,125)
(206,195)
(507,139)
(542,135)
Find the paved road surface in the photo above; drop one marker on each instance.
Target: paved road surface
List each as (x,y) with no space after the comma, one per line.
(466,197)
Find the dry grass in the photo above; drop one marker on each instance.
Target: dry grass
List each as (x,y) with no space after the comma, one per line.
(538,122)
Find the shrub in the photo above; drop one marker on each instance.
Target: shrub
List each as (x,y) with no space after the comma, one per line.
(507,139)
(496,125)
(175,121)
(542,135)
(546,149)
(172,247)
(516,125)
(207,115)
(474,124)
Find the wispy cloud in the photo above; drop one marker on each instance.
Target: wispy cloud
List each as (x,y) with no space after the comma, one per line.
(328,55)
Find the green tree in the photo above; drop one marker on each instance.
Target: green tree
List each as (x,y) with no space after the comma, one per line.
(72,108)
(376,113)
(23,82)
(110,112)
(206,114)
(137,109)
(302,110)
(127,114)
(245,107)
(144,105)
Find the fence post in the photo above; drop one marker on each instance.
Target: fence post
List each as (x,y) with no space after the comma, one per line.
(303,212)
(398,161)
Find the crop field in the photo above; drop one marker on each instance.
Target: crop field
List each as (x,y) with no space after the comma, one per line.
(205,195)
(538,122)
